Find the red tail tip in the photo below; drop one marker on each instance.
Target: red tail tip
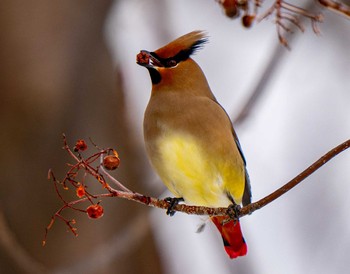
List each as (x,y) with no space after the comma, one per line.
(233,253)
(232,237)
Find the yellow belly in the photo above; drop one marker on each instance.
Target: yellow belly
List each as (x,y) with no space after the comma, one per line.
(197,174)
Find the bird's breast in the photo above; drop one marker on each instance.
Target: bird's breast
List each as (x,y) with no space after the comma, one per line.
(193,149)
(190,171)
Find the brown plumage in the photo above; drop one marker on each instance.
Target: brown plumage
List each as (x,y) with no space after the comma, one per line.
(189,137)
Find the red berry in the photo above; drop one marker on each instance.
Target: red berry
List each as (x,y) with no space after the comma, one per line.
(111,162)
(247,20)
(80,191)
(230,8)
(80,145)
(95,211)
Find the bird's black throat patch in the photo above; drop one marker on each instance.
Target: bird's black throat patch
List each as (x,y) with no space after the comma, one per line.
(155,75)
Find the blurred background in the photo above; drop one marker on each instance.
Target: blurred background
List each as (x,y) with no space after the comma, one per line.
(69,67)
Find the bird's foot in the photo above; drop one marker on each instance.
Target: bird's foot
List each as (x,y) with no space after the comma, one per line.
(233,211)
(172,201)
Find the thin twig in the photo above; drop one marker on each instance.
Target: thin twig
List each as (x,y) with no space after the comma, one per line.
(114,180)
(336,7)
(279,8)
(66,147)
(296,180)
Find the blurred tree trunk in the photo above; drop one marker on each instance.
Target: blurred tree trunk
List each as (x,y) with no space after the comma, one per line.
(57,76)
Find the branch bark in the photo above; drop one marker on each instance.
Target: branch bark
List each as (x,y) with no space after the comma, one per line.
(202,210)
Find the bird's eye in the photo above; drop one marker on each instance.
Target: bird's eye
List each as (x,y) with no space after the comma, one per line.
(171,63)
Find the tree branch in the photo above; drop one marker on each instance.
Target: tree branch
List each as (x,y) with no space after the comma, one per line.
(337,7)
(85,165)
(201,210)
(296,180)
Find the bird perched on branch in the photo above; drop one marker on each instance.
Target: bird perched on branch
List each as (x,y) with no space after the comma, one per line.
(189,137)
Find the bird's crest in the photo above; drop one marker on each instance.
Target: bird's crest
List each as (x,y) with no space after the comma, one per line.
(184,46)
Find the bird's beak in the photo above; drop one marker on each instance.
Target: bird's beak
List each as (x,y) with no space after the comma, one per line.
(146,59)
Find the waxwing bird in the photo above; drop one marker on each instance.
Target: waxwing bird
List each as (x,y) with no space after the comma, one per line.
(189,137)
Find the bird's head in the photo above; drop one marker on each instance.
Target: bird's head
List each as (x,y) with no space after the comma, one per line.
(171,64)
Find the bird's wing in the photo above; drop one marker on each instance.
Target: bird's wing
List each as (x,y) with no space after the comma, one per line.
(247,195)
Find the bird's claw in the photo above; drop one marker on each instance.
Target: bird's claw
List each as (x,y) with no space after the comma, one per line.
(172,203)
(233,211)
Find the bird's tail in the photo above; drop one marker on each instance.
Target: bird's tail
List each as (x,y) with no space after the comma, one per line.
(231,233)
